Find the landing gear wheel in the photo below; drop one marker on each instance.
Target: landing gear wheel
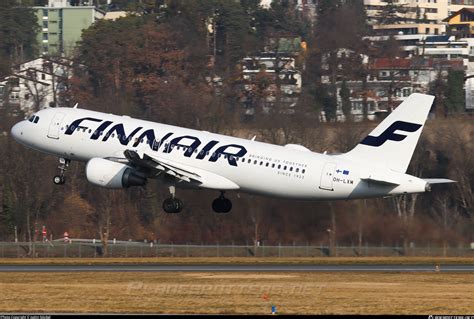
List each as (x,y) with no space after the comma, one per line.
(172,205)
(221,204)
(63,164)
(59,180)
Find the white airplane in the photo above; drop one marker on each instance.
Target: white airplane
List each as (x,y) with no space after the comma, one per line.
(122,152)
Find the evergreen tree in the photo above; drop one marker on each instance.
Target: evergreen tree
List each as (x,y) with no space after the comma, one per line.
(345,94)
(455,99)
(390,14)
(18,27)
(438,89)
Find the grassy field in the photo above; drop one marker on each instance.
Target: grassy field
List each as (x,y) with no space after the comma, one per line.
(238,260)
(233,293)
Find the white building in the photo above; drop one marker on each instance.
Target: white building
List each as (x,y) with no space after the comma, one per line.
(434,10)
(35,84)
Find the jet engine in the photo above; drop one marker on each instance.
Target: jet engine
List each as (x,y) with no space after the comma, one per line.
(109,174)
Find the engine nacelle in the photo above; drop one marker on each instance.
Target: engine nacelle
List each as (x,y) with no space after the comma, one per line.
(111,174)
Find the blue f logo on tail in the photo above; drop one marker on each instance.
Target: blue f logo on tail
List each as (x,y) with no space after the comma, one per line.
(389,133)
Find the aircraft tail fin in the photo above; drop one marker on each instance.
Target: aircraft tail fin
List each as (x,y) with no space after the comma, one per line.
(393,141)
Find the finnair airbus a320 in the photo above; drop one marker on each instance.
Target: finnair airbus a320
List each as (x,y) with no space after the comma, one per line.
(122,152)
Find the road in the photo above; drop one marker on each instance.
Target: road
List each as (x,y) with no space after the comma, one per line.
(237,268)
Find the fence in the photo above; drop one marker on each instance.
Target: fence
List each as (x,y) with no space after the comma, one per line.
(138,249)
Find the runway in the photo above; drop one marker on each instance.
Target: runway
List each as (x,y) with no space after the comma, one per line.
(238,268)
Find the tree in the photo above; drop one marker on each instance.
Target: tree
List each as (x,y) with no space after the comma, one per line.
(447,215)
(18,28)
(438,89)
(336,49)
(455,98)
(390,14)
(345,95)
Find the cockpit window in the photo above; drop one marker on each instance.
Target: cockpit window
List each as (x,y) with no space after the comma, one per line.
(33,119)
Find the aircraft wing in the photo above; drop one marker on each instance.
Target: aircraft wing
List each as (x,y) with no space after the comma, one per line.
(183,173)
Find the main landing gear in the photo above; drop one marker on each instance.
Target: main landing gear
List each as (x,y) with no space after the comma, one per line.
(63,164)
(221,204)
(172,205)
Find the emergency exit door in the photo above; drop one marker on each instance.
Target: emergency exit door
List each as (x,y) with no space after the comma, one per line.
(327,177)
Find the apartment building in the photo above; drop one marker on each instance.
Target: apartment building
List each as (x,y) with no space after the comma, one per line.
(433,11)
(61,25)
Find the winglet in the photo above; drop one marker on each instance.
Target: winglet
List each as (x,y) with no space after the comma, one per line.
(75,106)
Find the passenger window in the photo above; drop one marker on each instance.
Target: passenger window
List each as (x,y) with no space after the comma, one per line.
(297,169)
(243,160)
(255,162)
(284,168)
(291,169)
(279,166)
(261,163)
(273,165)
(303,171)
(249,160)
(267,164)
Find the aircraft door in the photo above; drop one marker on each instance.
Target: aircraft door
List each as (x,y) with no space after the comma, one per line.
(327,176)
(53,131)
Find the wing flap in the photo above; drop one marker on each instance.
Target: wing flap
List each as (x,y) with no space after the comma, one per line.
(182,172)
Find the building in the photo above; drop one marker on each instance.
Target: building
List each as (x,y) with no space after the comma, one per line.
(35,85)
(409,29)
(432,11)
(446,47)
(461,23)
(390,82)
(270,81)
(61,25)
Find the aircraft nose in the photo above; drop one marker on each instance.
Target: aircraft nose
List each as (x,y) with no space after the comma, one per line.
(17,130)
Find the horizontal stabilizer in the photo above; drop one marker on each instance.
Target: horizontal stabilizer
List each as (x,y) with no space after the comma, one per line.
(383,179)
(380,181)
(438,180)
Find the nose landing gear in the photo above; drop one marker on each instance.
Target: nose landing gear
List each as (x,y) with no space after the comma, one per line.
(221,204)
(63,164)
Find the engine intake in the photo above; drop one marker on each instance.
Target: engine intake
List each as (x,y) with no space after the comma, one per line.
(109,174)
